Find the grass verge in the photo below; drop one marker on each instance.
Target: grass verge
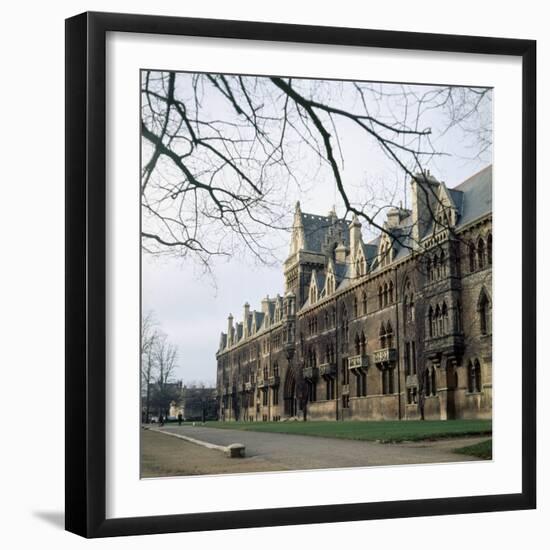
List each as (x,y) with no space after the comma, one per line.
(384,431)
(483,449)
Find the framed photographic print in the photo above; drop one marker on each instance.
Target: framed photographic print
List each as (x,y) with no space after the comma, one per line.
(300,274)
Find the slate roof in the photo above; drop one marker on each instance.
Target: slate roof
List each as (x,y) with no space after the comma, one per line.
(477,196)
(473,198)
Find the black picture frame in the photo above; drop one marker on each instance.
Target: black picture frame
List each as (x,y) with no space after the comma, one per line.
(86,273)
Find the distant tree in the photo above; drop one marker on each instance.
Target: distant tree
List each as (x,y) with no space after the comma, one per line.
(165,389)
(158,363)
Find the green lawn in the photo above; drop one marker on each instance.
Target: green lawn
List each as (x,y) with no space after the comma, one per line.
(386,431)
(484,450)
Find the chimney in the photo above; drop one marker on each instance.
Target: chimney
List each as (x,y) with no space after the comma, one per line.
(246,314)
(354,233)
(340,253)
(229,330)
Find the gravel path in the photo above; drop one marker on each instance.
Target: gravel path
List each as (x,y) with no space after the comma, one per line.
(286,451)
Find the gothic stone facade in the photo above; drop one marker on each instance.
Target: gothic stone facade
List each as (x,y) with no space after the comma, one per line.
(396,328)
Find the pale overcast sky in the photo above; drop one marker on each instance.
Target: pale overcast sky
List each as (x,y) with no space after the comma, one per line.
(192,308)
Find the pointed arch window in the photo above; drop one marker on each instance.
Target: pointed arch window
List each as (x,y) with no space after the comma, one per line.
(436,273)
(382,336)
(445,316)
(363,344)
(484,311)
(490,249)
(480,254)
(474,376)
(345,326)
(389,335)
(364,302)
(439,321)
(472,256)
(458,316)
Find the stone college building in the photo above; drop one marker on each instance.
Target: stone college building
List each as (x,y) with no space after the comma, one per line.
(395,328)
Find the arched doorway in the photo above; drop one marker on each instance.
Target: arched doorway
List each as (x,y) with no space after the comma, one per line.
(290,393)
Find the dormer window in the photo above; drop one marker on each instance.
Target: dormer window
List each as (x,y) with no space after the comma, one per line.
(313,294)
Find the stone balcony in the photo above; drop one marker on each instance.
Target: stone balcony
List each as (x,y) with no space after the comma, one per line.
(327,370)
(358,362)
(385,355)
(274,381)
(310,373)
(451,345)
(248,386)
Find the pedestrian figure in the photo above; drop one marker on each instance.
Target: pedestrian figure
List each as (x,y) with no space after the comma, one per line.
(161,420)
(180,418)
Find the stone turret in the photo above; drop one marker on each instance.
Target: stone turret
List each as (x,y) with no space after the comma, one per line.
(246,314)
(355,238)
(230,330)
(340,253)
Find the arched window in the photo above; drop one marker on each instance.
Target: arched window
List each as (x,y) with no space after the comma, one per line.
(438,321)
(355,309)
(484,310)
(390,292)
(437,268)
(380,295)
(411,309)
(472,256)
(445,315)
(477,375)
(364,302)
(480,254)
(385,294)
(363,344)
(382,336)
(428,269)
(345,326)
(312,295)
(389,335)
(357,345)
(490,249)
(433,383)
(474,376)
(431,321)
(442,264)
(458,316)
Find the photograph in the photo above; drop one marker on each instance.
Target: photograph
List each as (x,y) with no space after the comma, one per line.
(316,273)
